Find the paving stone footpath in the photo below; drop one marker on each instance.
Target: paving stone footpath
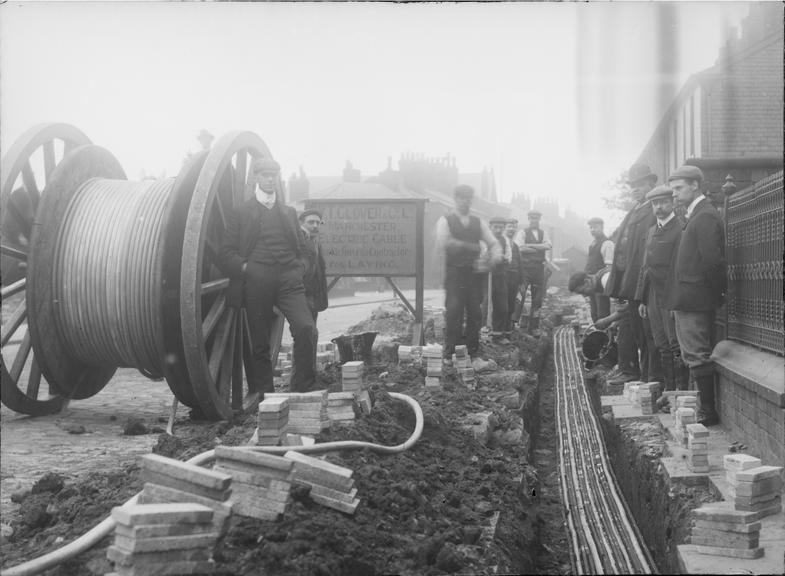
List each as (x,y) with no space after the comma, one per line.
(31,447)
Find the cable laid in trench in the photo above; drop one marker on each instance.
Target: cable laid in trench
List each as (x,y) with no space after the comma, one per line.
(102,530)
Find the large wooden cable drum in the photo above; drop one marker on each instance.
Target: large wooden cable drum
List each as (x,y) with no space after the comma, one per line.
(128,274)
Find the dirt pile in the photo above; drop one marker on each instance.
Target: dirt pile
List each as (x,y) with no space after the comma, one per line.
(457,501)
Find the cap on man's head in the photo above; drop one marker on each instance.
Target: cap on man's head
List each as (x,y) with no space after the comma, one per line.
(265,165)
(595,220)
(498,220)
(687,172)
(534,214)
(661,191)
(463,191)
(305,213)
(640,172)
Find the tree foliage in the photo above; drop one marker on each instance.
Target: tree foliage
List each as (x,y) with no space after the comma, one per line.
(618,195)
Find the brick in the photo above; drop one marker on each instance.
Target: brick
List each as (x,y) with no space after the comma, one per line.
(740,462)
(334,494)
(160,544)
(724,512)
(161,530)
(169,568)
(261,492)
(184,471)
(259,479)
(299,397)
(730,552)
(319,463)
(155,494)
(729,526)
(760,499)
(273,404)
(757,474)
(697,431)
(184,513)
(252,457)
(760,487)
(178,484)
(346,507)
(125,558)
(340,396)
(254,507)
(309,477)
(708,537)
(766,505)
(231,467)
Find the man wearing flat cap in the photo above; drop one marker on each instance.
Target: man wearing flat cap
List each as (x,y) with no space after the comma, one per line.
(263,253)
(460,234)
(600,256)
(315,277)
(697,284)
(532,245)
(662,242)
(637,360)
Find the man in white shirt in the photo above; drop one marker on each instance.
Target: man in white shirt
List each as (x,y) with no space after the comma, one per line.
(532,245)
(459,234)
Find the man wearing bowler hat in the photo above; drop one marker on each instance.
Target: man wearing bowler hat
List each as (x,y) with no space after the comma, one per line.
(697,284)
(637,359)
(662,242)
(263,253)
(532,245)
(600,256)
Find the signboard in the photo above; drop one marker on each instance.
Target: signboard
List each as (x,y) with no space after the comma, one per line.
(370,237)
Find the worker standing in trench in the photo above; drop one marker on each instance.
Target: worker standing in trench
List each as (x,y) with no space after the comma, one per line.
(460,234)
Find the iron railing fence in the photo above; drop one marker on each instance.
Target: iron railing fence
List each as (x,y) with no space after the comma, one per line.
(754,252)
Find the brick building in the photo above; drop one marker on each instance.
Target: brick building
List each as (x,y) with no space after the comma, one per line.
(728,119)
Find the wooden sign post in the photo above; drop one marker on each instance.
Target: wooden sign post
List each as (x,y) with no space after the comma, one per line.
(379,237)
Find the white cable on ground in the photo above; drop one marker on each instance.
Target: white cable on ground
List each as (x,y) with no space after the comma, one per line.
(104,529)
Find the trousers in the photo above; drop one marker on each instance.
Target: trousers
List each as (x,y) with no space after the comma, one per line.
(695,332)
(600,306)
(462,296)
(534,281)
(282,286)
(663,325)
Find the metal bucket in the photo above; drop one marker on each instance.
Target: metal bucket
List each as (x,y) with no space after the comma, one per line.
(597,347)
(356,347)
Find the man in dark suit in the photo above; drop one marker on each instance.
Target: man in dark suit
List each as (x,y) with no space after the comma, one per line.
(514,273)
(263,253)
(600,255)
(697,284)
(315,278)
(635,339)
(661,245)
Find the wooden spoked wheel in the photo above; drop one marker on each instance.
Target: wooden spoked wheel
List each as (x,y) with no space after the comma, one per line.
(27,169)
(216,336)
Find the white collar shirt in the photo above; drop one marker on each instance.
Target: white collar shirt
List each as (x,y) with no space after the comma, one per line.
(692,205)
(662,223)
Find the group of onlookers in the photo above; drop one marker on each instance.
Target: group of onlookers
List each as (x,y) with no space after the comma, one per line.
(486,268)
(666,275)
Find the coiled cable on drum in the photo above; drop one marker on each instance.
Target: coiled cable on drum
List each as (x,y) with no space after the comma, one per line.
(107,274)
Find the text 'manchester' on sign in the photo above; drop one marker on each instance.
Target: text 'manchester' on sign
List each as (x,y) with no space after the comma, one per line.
(368,238)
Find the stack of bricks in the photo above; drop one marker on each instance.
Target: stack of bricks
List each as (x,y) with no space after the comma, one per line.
(273,419)
(307,411)
(352,376)
(722,531)
(260,482)
(647,397)
(463,364)
(754,488)
(432,354)
(172,481)
(340,407)
(630,392)
(683,417)
(698,448)
(158,539)
(687,401)
(325,354)
(409,353)
(331,485)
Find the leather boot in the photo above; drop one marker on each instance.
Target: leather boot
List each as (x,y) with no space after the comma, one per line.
(707,414)
(669,380)
(681,373)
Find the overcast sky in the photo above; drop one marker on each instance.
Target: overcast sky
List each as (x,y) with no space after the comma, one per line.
(555,97)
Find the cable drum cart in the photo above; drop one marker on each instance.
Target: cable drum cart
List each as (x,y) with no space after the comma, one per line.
(100,272)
